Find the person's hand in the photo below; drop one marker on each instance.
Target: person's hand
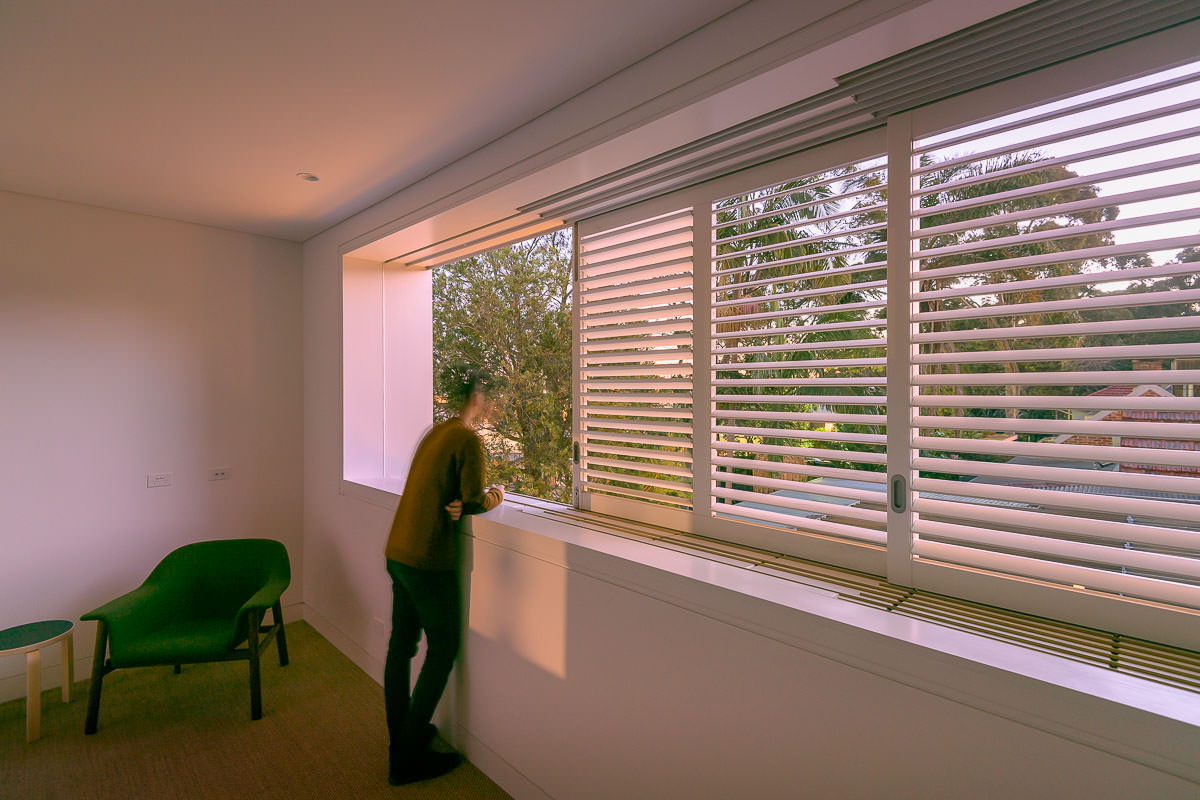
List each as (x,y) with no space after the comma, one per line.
(454,509)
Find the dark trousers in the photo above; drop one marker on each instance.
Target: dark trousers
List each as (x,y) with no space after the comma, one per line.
(422,600)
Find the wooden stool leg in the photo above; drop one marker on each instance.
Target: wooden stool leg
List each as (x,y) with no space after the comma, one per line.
(68,667)
(280,641)
(255,678)
(33,695)
(93,712)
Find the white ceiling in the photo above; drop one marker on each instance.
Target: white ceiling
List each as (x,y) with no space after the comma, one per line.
(204,111)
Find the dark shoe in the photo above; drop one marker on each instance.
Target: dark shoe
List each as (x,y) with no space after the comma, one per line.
(429,764)
(427,735)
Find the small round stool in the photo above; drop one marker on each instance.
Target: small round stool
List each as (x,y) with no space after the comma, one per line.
(30,639)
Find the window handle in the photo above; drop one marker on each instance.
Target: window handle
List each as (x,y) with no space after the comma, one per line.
(898,494)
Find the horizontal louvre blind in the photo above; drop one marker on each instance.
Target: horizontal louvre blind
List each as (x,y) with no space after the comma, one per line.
(798,421)
(635,393)
(1057,428)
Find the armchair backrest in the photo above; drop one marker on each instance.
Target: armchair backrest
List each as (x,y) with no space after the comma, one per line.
(213,579)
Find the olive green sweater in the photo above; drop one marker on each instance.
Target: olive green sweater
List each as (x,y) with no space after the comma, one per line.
(448,465)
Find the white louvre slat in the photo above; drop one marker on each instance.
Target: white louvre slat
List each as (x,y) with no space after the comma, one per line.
(787,468)
(640,479)
(824,218)
(818,526)
(1085,403)
(593,424)
(635,411)
(1175,566)
(774,248)
(802,347)
(1140,196)
(665,443)
(802,311)
(1073,452)
(635,342)
(637,466)
(1026,473)
(658,370)
(823,327)
(1024,193)
(852,456)
(603,334)
(656,497)
(824,291)
(1059,524)
(656,269)
(1149,325)
(1149,430)
(1098,377)
(811,434)
(637,287)
(663,356)
(812,506)
(1080,279)
(1182,350)
(595,307)
(1057,257)
(659,397)
(1071,500)
(1081,155)
(1055,112)
(1180,594)
(632,261)
(794,399)
(803,416)
(866,266)
(815,488)
(795,382)
(634,452)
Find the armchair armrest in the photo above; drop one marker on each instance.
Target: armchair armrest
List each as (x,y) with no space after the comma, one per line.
(133,615)
(124,607)
(265,597)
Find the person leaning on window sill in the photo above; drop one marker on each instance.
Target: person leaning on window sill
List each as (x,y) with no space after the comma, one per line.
(445,481)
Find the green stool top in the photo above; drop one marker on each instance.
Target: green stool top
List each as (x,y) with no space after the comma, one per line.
(33,633)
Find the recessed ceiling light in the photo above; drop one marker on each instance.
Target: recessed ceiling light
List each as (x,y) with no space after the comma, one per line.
(307,176)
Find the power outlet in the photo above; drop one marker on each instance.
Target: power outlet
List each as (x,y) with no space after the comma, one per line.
(219,474)
(156,479)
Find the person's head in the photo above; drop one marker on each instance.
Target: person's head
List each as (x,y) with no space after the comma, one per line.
(470,394)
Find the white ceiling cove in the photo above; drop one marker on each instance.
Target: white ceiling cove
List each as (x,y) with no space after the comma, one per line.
(205,111)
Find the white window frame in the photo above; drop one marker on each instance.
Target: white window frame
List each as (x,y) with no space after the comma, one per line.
(896,561)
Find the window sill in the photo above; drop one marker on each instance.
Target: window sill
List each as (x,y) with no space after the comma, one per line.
(376,490)
(1136,719)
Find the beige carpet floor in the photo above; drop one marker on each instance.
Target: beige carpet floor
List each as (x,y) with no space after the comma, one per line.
(187,736)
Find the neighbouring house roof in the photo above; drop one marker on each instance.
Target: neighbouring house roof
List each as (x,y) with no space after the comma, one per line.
(1126,390)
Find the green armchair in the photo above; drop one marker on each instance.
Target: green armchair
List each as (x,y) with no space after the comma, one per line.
(201,603)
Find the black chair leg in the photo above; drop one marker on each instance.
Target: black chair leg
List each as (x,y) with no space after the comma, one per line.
(280,641)
(93,711)
(178,668)
(255,677)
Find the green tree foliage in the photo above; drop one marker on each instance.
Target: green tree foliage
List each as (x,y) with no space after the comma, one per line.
(508,311)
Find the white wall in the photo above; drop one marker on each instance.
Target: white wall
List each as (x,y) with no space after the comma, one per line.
(130,345)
